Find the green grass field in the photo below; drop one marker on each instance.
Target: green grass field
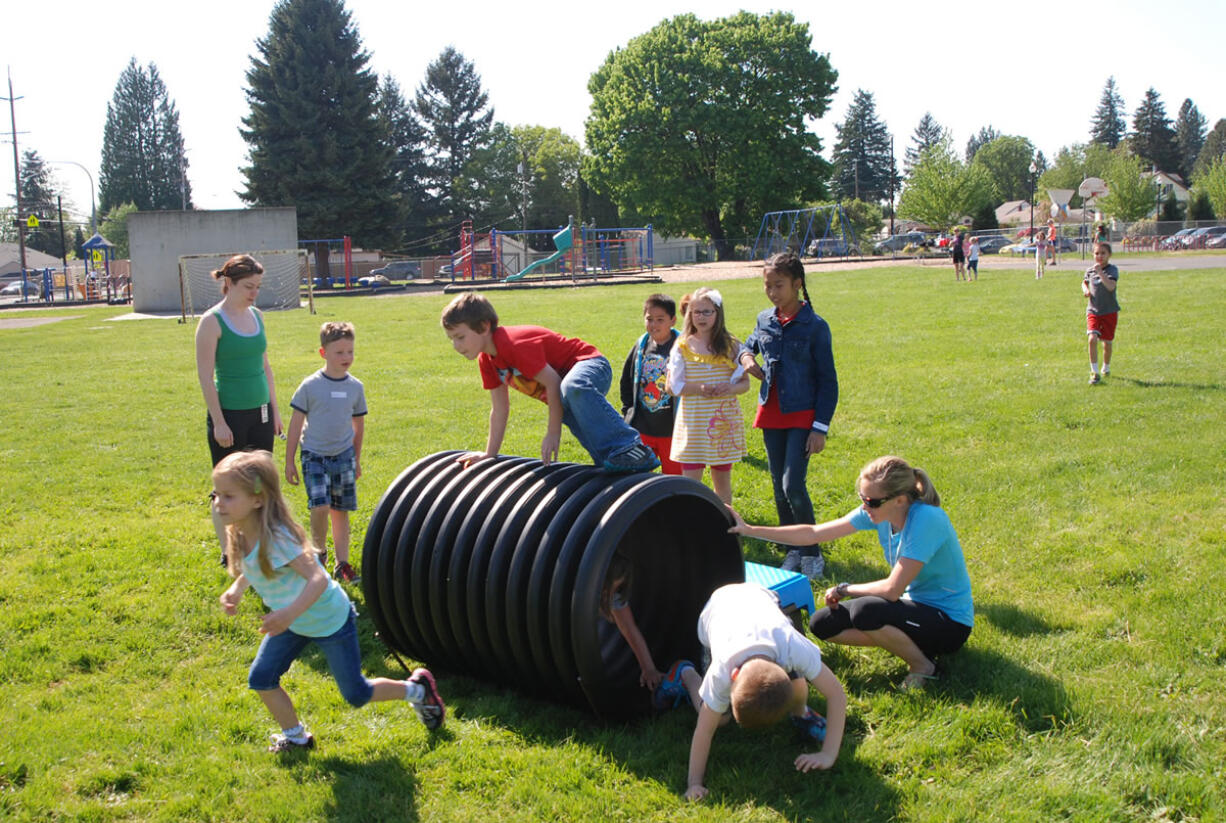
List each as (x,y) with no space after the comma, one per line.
(1090,690)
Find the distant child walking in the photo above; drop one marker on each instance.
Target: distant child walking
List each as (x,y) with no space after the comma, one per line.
(796,401)
(972,260)
(570,375)
(760,671)
(331,403)
(268,551)
(646,403)
(957,253)
(1040,253)
(1100,287)
(703,372)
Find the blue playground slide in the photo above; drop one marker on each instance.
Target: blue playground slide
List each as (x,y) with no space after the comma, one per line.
(562,241)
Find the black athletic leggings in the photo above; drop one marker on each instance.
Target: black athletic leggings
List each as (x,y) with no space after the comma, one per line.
(252,429)
(929,628)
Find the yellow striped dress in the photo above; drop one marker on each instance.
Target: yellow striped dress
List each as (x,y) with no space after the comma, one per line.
(708,430)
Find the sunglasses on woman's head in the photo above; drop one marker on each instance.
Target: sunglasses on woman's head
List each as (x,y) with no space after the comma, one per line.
(873,502)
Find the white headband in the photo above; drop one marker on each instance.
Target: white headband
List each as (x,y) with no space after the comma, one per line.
(715,297)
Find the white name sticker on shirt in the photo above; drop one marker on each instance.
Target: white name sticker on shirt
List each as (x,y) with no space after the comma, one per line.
(264,413)
(339,394)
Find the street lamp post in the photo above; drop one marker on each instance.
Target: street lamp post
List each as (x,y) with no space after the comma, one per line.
(93,213)
(1033,171)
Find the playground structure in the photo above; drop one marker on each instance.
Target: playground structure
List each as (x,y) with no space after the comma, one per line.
(588,251)
(90,283)
(821,231)
(498,570)
(324,249)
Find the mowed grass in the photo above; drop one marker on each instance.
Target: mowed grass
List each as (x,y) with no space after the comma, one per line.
(1090,690)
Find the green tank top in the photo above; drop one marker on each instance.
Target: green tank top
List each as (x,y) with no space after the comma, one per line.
(238,370)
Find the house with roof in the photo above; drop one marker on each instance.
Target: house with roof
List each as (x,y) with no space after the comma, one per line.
(10,259)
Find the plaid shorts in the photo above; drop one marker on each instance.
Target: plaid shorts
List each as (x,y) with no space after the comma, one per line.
(331,481)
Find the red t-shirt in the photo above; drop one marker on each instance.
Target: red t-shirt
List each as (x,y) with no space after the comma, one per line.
(524,351)
(769,415)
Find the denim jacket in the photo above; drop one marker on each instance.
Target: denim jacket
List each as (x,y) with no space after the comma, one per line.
(799,356)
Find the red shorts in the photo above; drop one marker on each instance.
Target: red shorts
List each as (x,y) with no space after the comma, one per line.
(722,467)
(662,446)
(1103,325)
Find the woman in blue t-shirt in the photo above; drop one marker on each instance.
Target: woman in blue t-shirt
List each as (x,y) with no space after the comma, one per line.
(923,607)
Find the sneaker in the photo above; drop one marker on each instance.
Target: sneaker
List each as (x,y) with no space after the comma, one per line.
(812,726)
(1106,370)
(672,690)
(637,458)
(430,711)
(791,561)
(323,558)
(1094,378)
(813,566)
(281,743)
(345,572)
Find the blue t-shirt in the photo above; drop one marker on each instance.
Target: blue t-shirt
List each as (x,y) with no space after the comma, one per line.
(324,617)
(928,537)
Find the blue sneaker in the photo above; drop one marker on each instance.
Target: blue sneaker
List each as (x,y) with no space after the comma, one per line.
(812,726)
(671,691)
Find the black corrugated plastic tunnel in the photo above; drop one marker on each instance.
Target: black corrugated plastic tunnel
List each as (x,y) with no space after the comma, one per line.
(497,571)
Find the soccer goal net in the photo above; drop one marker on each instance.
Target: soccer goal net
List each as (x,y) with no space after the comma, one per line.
(285,273)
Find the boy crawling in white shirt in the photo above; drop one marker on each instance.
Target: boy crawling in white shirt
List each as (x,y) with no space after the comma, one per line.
(761,668)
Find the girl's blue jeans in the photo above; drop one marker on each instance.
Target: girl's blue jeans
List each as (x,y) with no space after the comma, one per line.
(789,466)
(340,649)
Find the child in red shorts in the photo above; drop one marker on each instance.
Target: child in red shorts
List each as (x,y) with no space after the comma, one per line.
(1099,287)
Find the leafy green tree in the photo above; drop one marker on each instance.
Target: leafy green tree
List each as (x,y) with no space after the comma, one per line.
(942,189)
(863,160)
(1152,138)
(8,224)
(143,157)
(554,160)
(1108,126)
(115,227)
(456,115)
(1214,148)
(1006,161)
(1130,196)
(1213,184)
(986,135)
(411,204)
(597,207)
(928,133)
(701,126)
(863,218)
(1190,127)
(1073,164)
(314,134)
(985,218)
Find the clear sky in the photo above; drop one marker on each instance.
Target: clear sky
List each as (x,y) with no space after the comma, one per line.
(1034,69)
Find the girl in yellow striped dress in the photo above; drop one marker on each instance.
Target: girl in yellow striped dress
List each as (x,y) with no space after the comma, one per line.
(704,373)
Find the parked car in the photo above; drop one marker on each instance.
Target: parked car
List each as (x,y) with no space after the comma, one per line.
(1216,242)
(1176,240)
(993,243)
(827,247)
(897,242)
(399,270)
(1200,238)
(32,289)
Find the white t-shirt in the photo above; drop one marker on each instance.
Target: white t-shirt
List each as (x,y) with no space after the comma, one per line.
(743,620)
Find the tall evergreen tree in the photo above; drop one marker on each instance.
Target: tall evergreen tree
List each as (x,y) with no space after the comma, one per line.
(410,172)
(314,135)
(39,191)
(456,114)
(1152,138)
(143,157)
(863,162)
(986,135)
(927,134)
(1215,147)
(1108,126)
(1190,127)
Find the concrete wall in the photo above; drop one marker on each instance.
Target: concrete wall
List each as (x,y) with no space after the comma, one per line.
(156,239)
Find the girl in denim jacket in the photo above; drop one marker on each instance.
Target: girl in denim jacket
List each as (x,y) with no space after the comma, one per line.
(799,392)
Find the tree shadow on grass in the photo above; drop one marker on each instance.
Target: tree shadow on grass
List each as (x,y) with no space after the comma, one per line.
(377,789)
(1015,621)
(1166,384)
(1037,702)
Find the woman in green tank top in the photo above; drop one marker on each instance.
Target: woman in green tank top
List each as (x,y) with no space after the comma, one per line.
(232,365)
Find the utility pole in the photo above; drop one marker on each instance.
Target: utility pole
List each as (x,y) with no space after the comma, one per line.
(21,237)
(892,175)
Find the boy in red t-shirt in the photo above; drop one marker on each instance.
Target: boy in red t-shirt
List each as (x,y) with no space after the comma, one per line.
(568,374)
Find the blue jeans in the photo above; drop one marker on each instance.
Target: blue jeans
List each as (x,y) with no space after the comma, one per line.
(340,649)
(789,465)
(587,413)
